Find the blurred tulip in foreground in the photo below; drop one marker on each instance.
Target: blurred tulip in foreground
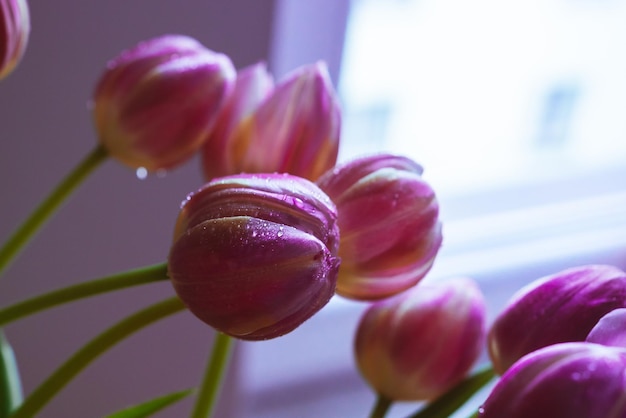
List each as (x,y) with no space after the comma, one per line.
(156,103)
(390,230)
(254,256)
(567,380)
(14,32)
(559,308)
(417,345)
(292,127)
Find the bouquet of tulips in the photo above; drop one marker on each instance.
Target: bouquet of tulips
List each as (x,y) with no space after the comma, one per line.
(280,228)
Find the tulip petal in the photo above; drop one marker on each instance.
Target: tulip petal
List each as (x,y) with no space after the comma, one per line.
(156,104)
(575,379)
(558,308)
(610,330)
(420,343)
(254,256)
(14,34)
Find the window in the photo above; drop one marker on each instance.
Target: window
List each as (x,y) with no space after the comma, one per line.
(488,95)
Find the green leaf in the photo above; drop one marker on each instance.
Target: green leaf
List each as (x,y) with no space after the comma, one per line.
(152,406)
(10,382)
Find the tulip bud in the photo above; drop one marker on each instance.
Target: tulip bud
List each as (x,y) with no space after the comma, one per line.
(14,32)
(417,345)
(254,256)
(156,103)
(567,380)
(290,128)
(390,232)
(559,308)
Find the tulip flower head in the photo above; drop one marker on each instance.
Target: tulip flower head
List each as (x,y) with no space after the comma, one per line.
(254,256)
(390,229)
(292,127)
(417,345)
(14,32)
(156,103)
(559,308)
(566,380)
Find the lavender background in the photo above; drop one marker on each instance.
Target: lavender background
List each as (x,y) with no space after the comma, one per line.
(115,221)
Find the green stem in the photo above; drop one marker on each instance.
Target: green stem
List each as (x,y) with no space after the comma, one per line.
(82,290)
(456,397)
(47,207)
(381,407)
(212,376)
(89,352)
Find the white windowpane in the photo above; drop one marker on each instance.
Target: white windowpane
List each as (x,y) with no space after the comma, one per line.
(488,93)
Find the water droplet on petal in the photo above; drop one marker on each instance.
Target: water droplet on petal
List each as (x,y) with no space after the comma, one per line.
(141,173)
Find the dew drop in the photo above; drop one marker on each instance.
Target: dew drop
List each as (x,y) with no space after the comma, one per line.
(141,173)
(161,173)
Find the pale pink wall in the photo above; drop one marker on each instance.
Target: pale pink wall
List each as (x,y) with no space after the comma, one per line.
(115,221)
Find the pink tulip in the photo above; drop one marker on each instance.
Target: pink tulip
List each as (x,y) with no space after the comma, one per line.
(566,380)
(292,127)
(417,345)
(156,103)
(390,230)
(254,256)
(559,308)
(14,32)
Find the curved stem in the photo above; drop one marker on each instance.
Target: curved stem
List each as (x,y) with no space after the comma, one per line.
(79,360)
(212,376)
(117,281)
(381,407)
(449,402)
(48,206)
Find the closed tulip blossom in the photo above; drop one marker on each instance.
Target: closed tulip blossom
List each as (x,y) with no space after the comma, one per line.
(156,103)
(566,380)
(389,221)
(559,308)
(254,256)
(14,32)
(417,345)
(291,127)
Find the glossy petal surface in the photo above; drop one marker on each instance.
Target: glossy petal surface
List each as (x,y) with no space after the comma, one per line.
(292,127)
(254,256)
(390,229)
(558,308)
(156,104)
(417,345)
(567,380)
